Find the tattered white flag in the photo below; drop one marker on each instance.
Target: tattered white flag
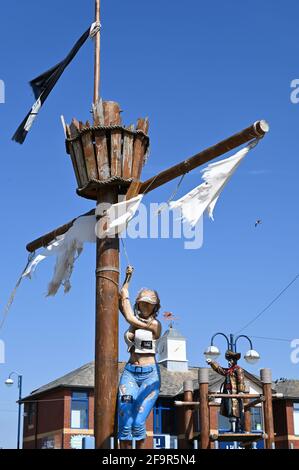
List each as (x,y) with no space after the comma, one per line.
(66,248)
(117,217)
(69,246)
(205,196)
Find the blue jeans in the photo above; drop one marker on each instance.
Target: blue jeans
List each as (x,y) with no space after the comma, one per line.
(138,391)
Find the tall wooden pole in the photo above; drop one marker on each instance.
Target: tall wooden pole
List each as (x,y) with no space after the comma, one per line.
(203,379)
(106,342)
(188,412)
(266,378)
(106,324)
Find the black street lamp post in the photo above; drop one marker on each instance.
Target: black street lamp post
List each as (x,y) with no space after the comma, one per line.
(10,382)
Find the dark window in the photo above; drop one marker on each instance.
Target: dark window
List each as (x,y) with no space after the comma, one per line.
(79,410)
(31,409)
(196,420)
(164,420)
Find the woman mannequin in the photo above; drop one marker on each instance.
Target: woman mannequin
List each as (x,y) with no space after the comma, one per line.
(139,384)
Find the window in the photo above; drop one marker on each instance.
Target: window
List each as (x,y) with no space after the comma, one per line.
(79,410)
(223,423)
(256,418)
(296,419)
(31,413)
(164,420)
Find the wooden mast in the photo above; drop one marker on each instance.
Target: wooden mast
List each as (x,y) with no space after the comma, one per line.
(97,52)
(106,321)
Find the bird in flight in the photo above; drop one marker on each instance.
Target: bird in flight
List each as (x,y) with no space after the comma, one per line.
(258,222)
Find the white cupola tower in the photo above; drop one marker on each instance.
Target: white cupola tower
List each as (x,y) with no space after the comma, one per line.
(172,351)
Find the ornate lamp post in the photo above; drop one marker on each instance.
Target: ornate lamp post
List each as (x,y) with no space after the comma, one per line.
(212,352)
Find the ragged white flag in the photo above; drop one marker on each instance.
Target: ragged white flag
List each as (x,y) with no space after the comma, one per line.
(66,248)
(116,218)
(205,196)
(69,246)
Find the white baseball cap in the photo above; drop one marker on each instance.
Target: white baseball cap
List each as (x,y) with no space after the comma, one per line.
(147,295)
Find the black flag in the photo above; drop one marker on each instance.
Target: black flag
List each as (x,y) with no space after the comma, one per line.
(42,86)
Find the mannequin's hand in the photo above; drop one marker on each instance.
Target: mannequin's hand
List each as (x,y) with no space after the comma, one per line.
(129,270)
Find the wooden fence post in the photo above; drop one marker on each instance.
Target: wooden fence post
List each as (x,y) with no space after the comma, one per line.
(203,378)
(188,412)
(266,378)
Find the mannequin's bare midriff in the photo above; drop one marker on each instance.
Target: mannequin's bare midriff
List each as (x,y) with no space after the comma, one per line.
(142,359)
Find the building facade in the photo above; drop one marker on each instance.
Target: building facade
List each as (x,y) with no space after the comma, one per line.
(60,414)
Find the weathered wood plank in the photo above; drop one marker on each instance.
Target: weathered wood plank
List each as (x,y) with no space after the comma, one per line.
(90,158)
(72,154)
(101,148)
(116,139)
(112,118)
(128,153)
(78,152)
(133,190)
(98,113)
(139,148)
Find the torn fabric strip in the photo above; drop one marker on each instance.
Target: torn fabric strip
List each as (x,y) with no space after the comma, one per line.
(69,246)
(117,217)
(66,248)
(44,83)
(205,196)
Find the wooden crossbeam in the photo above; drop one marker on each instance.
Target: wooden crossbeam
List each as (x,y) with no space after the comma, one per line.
(238,437)
(253,403)
(234,395)
(258,129)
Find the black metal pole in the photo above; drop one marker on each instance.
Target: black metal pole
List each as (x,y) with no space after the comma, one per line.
(20,407)
(232,343)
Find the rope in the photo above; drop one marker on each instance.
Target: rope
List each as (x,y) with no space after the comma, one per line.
(272,339)
(108,268)
(108,279)
(94,29)
(12,295)
(172,195)
(115,127)
(112,179)
(149,185)
(125,252)
(269,305)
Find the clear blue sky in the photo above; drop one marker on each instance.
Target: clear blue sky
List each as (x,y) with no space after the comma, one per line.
(201,71)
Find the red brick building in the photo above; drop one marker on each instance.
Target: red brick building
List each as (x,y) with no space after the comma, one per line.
(286,414)
(59,414)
